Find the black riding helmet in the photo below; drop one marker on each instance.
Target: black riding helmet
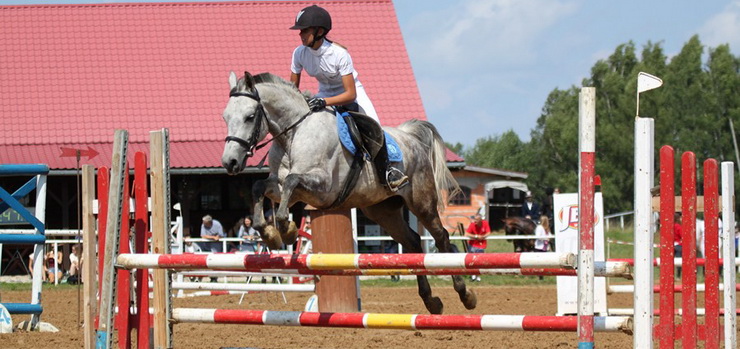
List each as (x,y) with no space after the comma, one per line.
(313,16)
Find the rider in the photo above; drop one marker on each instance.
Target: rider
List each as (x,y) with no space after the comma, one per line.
(331,64)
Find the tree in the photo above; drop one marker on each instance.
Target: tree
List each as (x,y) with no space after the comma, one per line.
(696,110)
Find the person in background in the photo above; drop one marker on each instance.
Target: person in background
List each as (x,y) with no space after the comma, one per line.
(531,209)
(30,268)
(477,231)
(190,247)
(699,242)
(53,266)
(543,231)
(75,265)
(248,235)
(212,229)
(677,240)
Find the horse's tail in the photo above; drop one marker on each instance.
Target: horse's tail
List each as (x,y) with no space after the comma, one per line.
(428,136)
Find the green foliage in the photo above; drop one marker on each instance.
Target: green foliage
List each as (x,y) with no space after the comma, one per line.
(695,110)
(457,148)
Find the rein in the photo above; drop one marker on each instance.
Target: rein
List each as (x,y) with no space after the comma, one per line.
(251,143)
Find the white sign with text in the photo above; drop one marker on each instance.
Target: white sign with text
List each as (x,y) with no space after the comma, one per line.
(566,240)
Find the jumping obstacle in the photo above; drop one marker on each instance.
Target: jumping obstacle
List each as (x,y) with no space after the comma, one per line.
(643,250)
(397,321)
(267,263)
(603,269)
(240,287)
(340,262)
(585,323)
(113,191)
(35,217)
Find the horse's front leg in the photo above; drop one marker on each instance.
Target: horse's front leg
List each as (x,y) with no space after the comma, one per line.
(287,229)
(269,235)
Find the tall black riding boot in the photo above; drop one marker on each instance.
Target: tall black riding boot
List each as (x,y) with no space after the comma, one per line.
(394,178)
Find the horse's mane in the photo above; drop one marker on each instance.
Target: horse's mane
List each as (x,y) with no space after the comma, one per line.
(269,78)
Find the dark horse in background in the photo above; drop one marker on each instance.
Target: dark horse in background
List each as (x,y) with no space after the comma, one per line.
(520,226)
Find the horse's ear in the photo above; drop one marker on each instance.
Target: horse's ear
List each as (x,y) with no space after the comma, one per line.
(249,80)
(232,80)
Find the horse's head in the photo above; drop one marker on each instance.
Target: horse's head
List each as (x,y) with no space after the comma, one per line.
(246,122)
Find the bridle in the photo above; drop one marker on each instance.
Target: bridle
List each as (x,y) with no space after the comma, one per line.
(251,143)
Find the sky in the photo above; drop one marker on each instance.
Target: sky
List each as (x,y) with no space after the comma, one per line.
(485,67)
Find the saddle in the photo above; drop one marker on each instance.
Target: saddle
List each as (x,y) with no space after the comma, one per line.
(360,133)
(366,133)
(366,140)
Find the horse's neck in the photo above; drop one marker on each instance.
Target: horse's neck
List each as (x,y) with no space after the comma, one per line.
(281,109)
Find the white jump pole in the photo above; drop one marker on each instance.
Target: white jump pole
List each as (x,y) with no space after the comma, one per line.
(728,252)
(644,172)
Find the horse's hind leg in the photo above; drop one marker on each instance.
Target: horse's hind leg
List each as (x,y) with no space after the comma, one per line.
(389,216)
(427,214)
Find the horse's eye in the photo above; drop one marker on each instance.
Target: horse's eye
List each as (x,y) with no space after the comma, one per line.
(249,117)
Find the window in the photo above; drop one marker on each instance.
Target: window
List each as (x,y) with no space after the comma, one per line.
(462,198)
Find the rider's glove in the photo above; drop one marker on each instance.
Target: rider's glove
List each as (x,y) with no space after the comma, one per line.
(316,104)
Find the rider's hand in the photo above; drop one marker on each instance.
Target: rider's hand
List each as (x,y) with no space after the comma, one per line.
(316,104)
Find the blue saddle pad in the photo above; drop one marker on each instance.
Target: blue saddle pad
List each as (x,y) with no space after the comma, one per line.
(394,151)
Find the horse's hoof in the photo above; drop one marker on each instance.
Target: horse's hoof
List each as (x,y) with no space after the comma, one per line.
(292,235)
(271,238)
(469,300)
(434,305)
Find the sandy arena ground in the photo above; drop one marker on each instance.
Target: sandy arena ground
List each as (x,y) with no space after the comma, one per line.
(60,309)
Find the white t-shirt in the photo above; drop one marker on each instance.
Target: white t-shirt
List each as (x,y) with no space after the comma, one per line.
(73,258)
(540,244)
(328,64)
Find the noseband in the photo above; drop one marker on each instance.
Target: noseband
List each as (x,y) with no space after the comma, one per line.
(259,114)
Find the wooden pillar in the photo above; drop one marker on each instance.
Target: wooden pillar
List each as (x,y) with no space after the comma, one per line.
(332,233)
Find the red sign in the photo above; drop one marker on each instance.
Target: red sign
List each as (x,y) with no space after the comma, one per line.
(72,152)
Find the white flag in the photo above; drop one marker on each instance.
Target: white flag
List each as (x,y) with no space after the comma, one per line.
(646,82)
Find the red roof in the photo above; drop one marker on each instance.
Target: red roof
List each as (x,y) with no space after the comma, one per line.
(71,74)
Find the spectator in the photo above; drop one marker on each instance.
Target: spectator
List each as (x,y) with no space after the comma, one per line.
(248,235)
(699,243)
(542,230)
(53,266)
(75,265)
(30,268)
(190,247)
(477,231)
(531,209)
(212,229)
(677,240)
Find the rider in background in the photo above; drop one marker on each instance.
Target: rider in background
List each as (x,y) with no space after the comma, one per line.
(331,64)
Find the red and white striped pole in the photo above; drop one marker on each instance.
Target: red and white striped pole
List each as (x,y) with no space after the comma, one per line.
(587,145)
(395,321)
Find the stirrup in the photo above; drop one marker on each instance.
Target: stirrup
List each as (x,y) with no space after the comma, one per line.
(398,183)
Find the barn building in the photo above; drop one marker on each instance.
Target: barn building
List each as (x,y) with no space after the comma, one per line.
(72,74)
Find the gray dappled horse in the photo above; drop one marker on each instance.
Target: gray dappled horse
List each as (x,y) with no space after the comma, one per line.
(308,164)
